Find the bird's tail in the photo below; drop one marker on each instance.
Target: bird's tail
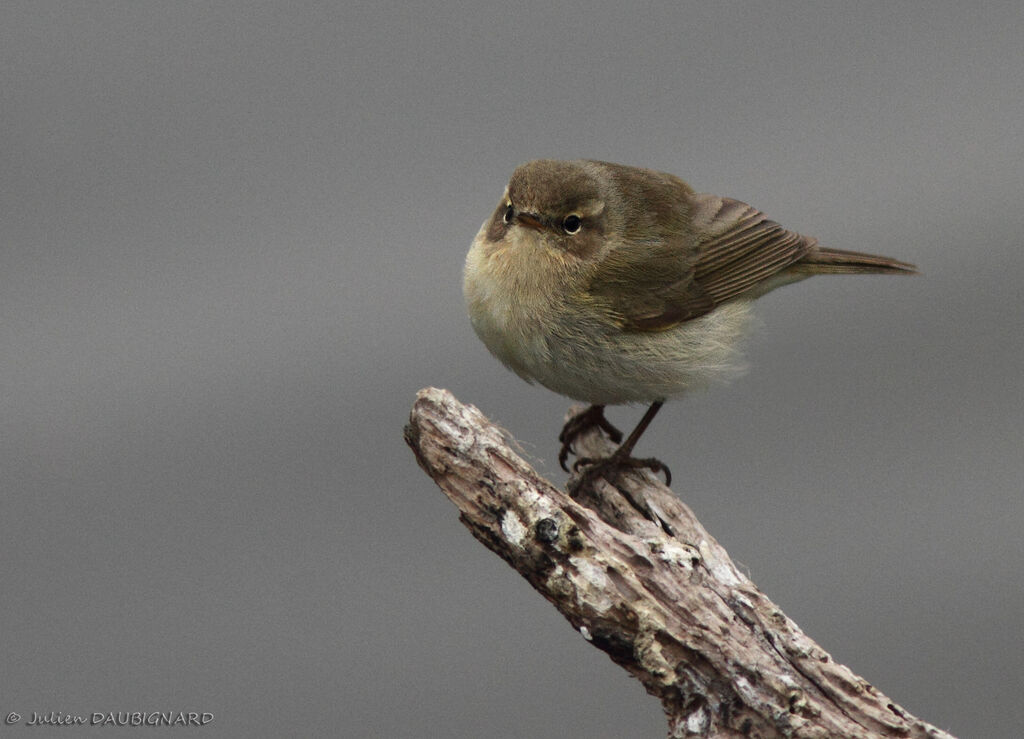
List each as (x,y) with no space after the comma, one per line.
(821,261)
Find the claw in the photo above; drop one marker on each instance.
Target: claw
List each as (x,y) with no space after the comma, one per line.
(598,466)
(621,457)
(590,418)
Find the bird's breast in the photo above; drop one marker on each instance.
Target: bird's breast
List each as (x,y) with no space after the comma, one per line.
(515,296)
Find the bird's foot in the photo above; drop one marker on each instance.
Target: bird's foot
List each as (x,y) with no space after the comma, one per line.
(593,468)
(590,418)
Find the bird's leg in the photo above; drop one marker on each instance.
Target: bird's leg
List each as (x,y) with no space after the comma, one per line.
(621,456)
(588,419)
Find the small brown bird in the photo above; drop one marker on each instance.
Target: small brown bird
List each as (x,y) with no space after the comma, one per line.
(614,284)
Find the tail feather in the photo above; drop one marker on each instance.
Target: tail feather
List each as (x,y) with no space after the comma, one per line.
(823,261)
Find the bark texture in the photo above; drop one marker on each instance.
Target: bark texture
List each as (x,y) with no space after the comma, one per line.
(631,568)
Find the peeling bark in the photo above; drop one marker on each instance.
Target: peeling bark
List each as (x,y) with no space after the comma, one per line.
(653,590)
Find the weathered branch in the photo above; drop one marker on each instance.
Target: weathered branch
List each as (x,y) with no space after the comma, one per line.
(662,599)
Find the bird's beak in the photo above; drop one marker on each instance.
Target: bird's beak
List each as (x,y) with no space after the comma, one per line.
(530,220)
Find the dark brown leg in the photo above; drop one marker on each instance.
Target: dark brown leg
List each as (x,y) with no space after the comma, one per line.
(621,456)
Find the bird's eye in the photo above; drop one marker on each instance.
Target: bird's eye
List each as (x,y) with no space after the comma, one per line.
(571,224)
(509,212)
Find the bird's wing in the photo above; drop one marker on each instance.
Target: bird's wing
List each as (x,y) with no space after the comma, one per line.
(740,247)
(729,249)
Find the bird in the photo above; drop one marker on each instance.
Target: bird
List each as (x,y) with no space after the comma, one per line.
(612,284)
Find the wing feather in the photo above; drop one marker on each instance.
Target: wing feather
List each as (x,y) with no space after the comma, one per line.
(726,249)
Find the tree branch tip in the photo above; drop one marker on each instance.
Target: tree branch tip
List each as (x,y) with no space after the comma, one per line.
(665,602)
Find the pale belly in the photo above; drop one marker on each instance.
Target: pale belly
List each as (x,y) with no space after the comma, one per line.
(592,361)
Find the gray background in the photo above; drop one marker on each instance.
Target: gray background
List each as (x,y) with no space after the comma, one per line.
(232,237)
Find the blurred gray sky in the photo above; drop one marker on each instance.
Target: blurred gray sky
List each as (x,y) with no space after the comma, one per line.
(231,239)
